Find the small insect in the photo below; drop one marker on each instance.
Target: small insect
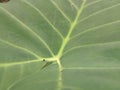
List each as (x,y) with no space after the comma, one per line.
(43,59)
(4,1)
(47,64)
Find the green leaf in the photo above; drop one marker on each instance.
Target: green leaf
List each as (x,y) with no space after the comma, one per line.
(80,37)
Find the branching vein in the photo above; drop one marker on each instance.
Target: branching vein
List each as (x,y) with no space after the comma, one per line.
(73,24)
(29,29)
(92,3)
(61,11)
(73,4)
(19,47)
(47,20)
(98,12)
(65,41)
(95,28)
(90,45)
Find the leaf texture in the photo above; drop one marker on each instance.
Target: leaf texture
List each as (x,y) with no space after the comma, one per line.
(76,42)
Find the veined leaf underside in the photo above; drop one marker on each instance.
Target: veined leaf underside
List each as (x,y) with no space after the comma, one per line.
(65,45)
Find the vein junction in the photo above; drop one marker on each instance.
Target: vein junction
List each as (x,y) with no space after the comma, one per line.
(60,52)
(65,41)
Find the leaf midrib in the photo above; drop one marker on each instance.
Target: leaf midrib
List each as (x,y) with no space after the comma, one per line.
(64,43)
(72,26)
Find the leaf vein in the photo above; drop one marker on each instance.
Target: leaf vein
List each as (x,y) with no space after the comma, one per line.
(19,47)
(73,4)
(47,20)
(65,16)
(91,68)
(29,29)
(92,3)
(90,45)
(94,28)
(98,12)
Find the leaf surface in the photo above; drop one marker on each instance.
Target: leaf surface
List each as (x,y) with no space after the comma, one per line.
(60,45)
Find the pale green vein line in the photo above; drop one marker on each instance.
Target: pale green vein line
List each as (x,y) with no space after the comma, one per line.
(13,84)
(29,29)
(26,62)
(47,20)
(91,68)
(19,63)
(65,16)
(98,12)
(95,28)
(19,47)
(19,80)
(20,77)
(73,24)
(91,45)
(64,43)
(60,85)
(73,4)
(92,3)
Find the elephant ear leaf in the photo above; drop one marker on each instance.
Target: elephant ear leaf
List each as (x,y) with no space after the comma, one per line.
(60,45)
